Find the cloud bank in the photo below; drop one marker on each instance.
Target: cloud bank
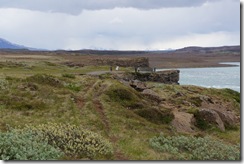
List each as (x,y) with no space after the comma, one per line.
(76,6)
(120,24)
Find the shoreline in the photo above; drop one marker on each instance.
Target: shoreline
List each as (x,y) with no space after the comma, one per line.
(205,66)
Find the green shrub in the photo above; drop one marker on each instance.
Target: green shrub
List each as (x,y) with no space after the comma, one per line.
(196,101)
(156,116)
(201,123)
(22,102)
(3,84)
(45,79)
(67,75)
(124,96)
(195,148)
(73,87)
(192,110)
(17,145)
(73,141)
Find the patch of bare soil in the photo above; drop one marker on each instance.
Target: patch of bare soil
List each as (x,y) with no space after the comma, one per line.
(100,111)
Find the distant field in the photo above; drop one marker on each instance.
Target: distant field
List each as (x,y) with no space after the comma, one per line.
(185,58)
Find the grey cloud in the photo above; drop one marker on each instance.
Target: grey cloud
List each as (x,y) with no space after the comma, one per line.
(76,6)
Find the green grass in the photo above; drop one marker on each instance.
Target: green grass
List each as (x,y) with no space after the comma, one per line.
(36,93)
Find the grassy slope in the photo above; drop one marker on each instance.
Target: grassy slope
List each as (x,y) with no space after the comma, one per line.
(93,103)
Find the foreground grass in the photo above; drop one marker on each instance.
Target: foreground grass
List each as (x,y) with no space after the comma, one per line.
(53,93)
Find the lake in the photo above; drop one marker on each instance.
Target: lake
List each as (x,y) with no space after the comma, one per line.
(212,77)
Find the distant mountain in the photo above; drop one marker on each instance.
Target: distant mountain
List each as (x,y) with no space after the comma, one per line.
(4,44)
(223,49)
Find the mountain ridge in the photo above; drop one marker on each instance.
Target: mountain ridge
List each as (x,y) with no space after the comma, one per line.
(4,44)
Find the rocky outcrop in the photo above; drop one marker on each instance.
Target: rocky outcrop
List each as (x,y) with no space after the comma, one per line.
(149,93)
(166,77)
(138,85)
(137,80)
(228,117)
(211,117)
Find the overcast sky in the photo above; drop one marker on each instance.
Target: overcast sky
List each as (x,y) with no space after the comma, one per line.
(120,24)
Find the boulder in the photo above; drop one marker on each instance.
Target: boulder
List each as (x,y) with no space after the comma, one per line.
(138,85)
(183,122)
(152,95)
(228,117)
(211,117)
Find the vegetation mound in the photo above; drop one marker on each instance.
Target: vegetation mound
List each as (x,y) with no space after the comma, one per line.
(20,145)
(195,148)
(72,140)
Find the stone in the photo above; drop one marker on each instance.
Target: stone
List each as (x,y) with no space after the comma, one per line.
(228,117)
(138,85)
(183,122)
(211,117)
(152,95)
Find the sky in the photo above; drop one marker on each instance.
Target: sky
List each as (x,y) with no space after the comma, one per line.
(120,24)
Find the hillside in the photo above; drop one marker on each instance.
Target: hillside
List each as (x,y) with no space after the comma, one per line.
(223,49)
(104,117)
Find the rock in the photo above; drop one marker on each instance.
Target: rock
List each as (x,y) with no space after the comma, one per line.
(227,117)
(138,85)
(206,99)
(152,95)
(166,77)
(183,122)
(211,117)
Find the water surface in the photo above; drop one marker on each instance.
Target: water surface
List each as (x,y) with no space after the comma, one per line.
(212,77)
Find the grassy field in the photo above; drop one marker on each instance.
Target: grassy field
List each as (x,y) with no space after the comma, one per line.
(39,90)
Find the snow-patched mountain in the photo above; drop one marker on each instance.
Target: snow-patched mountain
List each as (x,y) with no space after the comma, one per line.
(4,44)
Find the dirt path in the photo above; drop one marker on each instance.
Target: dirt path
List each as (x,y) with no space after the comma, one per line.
(98,72)
(103,72)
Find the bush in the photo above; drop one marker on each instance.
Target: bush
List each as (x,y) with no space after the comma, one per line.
(156,116)
(67,75)
(195,148)
(22,102)
(17,145)
(124,96)
(45,79)
(73,141)
(3,84)
(73,87)
(201,123)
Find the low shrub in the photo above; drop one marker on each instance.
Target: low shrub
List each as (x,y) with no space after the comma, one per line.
(124,96)
(18,145)
(73,141)
(156,116)
(200,122)
(196,101)
(195,148)
(73,87)
(67,75)
(3,84)
(22,102)
(45,79)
